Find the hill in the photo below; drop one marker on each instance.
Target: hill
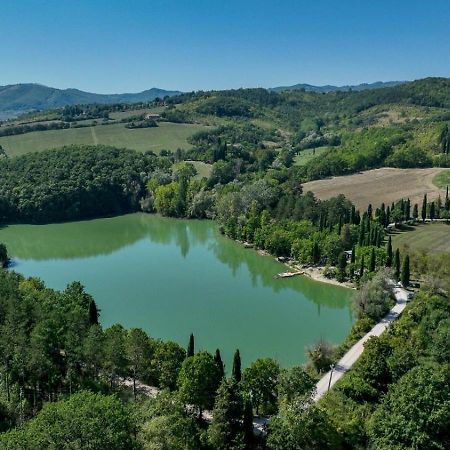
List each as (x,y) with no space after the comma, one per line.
(19,98)
(331,88)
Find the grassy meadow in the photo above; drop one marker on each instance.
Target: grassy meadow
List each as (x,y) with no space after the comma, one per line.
(429,237)
(169,136)
(442,179)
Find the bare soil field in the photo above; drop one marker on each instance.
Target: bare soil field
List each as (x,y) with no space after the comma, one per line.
(379,185)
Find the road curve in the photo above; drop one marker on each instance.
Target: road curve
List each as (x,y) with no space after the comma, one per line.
(352,355)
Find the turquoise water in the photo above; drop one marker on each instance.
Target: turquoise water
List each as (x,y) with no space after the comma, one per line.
(176,277)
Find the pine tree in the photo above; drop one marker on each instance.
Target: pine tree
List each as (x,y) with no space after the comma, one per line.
(397,264)
(405,272)
(236,374)
(372,261)
(191,346)
(389,254)
(93,313)
(424,208)
(219,362)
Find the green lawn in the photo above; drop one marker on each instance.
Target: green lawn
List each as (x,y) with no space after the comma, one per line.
(203,169)
(441,180)
(306,155)
(168,136)
(430,237)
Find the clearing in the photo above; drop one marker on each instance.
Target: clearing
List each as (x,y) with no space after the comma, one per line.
(169,136)
(442,179)
(379,185)
(304,156)
(429,237)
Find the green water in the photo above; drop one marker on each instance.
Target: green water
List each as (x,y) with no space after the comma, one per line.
(173,277)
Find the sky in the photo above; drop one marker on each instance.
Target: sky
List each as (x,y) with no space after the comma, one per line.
(112,46)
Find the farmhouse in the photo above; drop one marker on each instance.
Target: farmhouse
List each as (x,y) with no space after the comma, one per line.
(152,116)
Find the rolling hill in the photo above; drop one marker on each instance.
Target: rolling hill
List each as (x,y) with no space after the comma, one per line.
(19,98)
(331,88)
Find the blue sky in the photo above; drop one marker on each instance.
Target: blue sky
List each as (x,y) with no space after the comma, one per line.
(112,46)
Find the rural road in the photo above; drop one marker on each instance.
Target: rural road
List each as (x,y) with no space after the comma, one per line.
(347,361)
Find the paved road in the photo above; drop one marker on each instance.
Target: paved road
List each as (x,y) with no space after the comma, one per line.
(347,361)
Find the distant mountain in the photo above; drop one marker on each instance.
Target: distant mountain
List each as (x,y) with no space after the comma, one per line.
(19,98)
(330,88)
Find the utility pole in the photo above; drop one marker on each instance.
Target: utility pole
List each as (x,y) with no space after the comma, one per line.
(331,374)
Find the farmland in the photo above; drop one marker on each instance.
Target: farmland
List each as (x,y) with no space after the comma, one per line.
(379,185)
(429,237)
(169,136)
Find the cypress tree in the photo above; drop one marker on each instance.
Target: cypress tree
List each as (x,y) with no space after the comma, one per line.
(340,225)
(397,264)
(408,209)
(389,254)
(219,362)
(191,346)
(372,261)
(352,259)
(93,313)
(432,211)
(361,233)
(236,374)
(405,271)
(424,208)
(361,268)
(415,211)
(388,216)
(342,264)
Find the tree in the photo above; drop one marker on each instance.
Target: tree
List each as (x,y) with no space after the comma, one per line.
(219,362)
(374,298)
(166,363)
(342,265)
(236,374)
(372,264)
(361,267)
(415,211)
(405,271)
(3,255)
(93,313)
(389,253)
(139,353)
(83,421)
(302,426)
(424,208)
(226,431)
(432,211)
(248,424)
(415,412)
(260,382)
(397,264)
(198,381)
(320,355)
(190,350)
(294,382)
(116,362)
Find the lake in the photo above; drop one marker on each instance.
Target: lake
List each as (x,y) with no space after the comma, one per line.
(176,277)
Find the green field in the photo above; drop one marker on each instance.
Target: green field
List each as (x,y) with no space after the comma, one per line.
(306,155)
(169,136)
(429,237)
(441,180)
(203,169)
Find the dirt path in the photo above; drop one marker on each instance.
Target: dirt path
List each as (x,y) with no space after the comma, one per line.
(379,185)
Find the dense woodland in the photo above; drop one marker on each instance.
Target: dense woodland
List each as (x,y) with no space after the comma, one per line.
(61,373)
